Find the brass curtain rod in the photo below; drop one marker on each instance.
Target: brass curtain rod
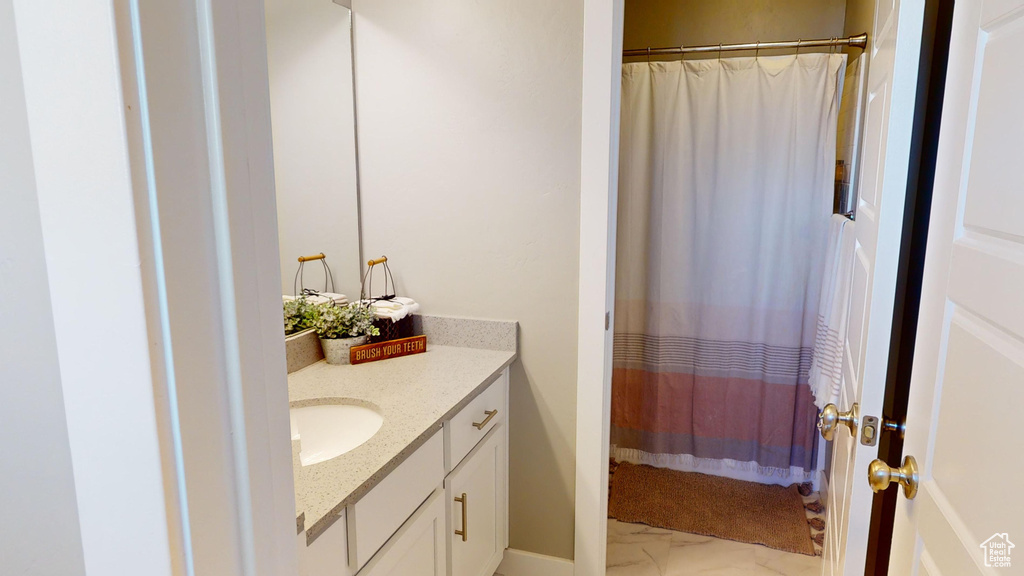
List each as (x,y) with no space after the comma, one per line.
(858,41)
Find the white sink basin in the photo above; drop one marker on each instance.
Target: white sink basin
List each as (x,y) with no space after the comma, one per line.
(326,431)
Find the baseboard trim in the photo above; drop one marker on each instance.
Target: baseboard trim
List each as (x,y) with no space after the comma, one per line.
(520,563)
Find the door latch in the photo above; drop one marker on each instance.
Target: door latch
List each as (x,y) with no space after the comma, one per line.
(869,431)
(871,426)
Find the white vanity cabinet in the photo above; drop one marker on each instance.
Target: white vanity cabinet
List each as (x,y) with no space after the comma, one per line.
(419,548)
(477,501)
(442,512)
(328,554)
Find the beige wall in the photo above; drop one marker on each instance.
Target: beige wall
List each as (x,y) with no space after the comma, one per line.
(468,119)
(860,17)
(659,23)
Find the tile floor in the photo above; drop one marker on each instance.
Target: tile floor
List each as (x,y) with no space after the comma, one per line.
(639,550)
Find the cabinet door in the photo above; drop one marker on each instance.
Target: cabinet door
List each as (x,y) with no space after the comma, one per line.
(328,554)
(418,548)
(477,504)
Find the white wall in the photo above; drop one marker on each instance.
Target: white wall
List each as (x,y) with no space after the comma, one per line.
(469,153)
(37,486)
(309,54)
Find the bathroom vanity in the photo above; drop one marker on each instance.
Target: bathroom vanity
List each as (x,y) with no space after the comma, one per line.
(427,494)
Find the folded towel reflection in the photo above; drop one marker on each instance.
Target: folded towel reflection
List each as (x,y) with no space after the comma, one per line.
(394,309)
(323,297)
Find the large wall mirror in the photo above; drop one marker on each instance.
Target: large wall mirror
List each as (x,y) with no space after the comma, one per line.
(309,54)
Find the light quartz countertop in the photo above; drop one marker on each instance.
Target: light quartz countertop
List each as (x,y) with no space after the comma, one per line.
(415,394)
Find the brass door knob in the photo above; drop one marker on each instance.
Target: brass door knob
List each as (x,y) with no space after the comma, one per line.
(880,475)
(830,419)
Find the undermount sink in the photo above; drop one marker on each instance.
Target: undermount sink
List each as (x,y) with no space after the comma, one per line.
(325,431)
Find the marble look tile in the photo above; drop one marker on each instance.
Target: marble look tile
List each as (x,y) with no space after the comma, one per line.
(624,529)
(692,554)
(776,562)
(637,550)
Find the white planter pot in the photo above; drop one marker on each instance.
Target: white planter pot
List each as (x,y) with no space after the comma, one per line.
(336,350)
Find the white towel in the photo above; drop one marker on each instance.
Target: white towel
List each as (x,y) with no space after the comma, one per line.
(394,309)
(826,375)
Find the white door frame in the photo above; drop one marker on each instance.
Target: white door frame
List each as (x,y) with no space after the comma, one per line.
(599,179)
(197,121)
(167,321)
(599,167)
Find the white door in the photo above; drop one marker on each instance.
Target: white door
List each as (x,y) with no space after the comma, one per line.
(889,112)
(967,388)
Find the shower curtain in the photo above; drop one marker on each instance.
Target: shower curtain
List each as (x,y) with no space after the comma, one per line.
(725,191)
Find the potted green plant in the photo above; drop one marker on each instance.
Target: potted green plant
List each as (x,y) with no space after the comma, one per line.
(298,315)
(342,327)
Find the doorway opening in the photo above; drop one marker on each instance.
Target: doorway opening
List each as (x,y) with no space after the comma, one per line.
(738,163)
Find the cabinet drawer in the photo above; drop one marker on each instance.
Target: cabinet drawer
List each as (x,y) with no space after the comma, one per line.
(473,422)
(380,513)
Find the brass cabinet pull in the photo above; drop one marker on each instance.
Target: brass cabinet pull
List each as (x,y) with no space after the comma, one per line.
(830,419)
(490,414)
(465,528)
(880,475)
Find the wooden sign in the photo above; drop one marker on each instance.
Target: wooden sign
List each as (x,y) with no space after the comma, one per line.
(389,349)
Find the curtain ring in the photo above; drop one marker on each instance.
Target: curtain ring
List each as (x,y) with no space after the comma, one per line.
(798,43)
(719,51)
(648,54)
(757,50)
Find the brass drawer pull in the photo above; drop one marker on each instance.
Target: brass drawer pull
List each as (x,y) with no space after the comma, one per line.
(465,529)
(490,414)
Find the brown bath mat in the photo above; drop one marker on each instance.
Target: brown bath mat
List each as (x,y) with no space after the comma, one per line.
(711,506)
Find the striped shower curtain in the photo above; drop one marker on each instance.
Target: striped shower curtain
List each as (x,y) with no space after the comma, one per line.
(725,192)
